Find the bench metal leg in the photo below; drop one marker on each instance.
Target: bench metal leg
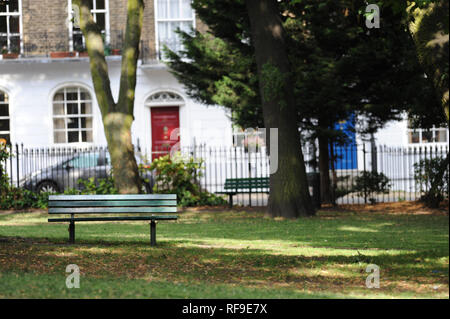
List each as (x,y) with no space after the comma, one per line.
(72,232)
(153,233)
(230,201)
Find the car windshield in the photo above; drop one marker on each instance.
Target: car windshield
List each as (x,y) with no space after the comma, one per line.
(95,159)
(84,161)
(139,158)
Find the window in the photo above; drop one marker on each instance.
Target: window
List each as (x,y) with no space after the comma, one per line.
(72,116)
(100,12)
(171,15)
(164,98)
(433,135)
(248,138)
(10,26)
(85,161)
(4,118)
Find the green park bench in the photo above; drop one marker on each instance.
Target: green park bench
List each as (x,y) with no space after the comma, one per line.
(116,207)
(234,186)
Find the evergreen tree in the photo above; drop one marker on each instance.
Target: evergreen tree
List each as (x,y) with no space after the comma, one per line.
(339,67)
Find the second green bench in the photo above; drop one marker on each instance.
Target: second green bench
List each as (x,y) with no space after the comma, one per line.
(234,186)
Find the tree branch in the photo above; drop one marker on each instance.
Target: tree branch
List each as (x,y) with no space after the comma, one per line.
(97,61)
(130,55)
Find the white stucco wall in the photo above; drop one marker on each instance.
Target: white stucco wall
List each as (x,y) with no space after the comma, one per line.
(394,133)
(31,84)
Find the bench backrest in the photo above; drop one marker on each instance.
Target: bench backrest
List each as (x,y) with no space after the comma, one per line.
(112,204)
(246,183)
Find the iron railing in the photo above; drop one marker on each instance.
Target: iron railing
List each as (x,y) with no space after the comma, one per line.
(46,44)
(29,166)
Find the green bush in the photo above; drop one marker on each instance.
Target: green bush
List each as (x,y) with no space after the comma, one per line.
(179,175)
(4,155)
(431,176)
(343,186)
(369,183)
(18,198)
(104,186)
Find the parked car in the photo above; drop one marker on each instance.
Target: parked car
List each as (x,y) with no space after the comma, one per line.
(67,173)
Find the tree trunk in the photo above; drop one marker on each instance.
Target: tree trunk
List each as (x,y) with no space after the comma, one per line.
(334,183)
(326,194)
(117,117)
(125,170)
(289,192)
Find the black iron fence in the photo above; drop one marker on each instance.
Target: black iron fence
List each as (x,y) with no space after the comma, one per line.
(353,169)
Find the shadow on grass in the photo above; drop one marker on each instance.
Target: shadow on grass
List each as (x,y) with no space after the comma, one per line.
(183,260)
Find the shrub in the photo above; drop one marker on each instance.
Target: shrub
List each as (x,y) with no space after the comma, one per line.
(103,186)
(369,183)
(4,155)
(431,176)
(343,186)
(18,198)
(179,175)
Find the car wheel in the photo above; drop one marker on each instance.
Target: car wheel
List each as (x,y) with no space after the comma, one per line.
(47,187)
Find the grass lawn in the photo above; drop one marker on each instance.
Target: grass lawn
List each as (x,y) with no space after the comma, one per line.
(231,254)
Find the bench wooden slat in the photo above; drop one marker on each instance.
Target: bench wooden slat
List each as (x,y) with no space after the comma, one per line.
(245,186)
(247,183)
(112,197)
(240,191)
(111,210)
(99,219)
(110,203)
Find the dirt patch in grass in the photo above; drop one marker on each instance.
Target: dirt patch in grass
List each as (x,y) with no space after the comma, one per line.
(17,211)
(406,207)
(259,209)
(396,208)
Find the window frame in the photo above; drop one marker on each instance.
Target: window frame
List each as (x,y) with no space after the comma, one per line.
(239,135)
(433,131)
(67,116)
(94,11)
(157,20)
(9,34)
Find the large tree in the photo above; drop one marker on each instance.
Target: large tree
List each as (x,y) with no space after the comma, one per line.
(117,116)
(339,68)
(289,195)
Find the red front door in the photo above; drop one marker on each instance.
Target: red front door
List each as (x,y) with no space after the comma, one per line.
(165,130)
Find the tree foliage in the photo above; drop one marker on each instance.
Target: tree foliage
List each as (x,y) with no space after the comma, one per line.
(429,26)
(339,66)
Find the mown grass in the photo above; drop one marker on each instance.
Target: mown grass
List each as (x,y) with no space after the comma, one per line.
(234,254)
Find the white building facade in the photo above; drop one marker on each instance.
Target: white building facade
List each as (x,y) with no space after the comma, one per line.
(51,102)
(47,101)
(47,98)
